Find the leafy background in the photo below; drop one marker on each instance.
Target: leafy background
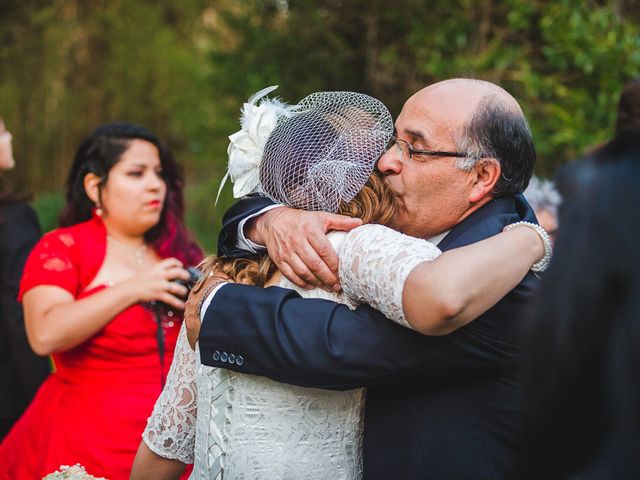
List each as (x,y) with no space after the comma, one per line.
(183,69)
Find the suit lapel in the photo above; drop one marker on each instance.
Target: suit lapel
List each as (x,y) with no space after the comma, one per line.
(488,221)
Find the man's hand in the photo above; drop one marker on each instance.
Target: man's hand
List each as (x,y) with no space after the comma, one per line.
(297,242)
(194,303)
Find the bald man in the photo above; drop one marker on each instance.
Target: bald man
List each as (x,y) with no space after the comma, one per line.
(444,407)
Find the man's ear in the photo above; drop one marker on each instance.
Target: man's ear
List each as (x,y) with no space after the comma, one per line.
(487,173)
(91,184)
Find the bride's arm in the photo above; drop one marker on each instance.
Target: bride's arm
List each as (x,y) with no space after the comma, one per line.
(151,466)
(463,283)
(413,284)
(171,428)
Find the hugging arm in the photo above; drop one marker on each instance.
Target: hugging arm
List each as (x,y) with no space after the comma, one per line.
(228,241)
(414,284)
(169,438)
(296,239)
(318,343)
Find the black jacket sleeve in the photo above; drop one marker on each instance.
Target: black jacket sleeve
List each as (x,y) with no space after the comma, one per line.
(228,237)
(318,343)
(322,344)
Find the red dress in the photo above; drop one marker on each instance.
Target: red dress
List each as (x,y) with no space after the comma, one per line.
(93,409)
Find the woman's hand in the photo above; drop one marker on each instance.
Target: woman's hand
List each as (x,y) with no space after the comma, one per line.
(56,321)
(158,283)
(194,303)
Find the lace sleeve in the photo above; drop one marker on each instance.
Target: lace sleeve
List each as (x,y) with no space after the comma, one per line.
(375,261)
(171,428)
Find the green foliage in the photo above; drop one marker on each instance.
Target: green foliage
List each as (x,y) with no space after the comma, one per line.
(565,61)
(184,69)
(48,206)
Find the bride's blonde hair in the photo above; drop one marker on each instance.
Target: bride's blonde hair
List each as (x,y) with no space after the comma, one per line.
(375,203)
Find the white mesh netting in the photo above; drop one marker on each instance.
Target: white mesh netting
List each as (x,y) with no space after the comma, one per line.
(325,151)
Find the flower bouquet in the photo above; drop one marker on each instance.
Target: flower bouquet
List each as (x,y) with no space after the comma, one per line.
(75,472)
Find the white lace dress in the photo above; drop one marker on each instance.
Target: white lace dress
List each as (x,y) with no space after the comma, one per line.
(239,426)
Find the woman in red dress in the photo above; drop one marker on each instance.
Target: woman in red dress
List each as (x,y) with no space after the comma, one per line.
(90,293)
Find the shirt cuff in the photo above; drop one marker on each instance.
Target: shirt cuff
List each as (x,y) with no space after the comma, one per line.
(243,242)
(209,299)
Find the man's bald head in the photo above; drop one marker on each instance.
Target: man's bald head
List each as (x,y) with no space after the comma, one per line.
(468,93)
(484,120)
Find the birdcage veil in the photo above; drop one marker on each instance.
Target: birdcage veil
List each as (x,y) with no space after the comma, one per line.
(321,151)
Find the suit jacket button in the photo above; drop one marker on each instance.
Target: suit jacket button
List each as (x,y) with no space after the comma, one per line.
(216,355)
(239,360)
(224,356)
(232,358)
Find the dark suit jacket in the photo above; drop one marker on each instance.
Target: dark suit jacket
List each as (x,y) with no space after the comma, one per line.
(21,370)
(437,407)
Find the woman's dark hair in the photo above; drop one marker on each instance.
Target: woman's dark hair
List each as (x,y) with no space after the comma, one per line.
(582,408)
(97,154)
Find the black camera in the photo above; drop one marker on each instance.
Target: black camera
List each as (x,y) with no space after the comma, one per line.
(165,310)
(194,276)
(162,312)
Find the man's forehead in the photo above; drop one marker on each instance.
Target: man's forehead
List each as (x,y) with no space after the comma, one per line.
(425,121)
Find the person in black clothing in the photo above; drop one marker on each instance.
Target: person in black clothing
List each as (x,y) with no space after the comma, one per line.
(582,402)
(575,180)
(21,370)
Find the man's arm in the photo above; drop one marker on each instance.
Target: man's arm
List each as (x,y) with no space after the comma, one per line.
(228,238)
(295,239)
(317,343)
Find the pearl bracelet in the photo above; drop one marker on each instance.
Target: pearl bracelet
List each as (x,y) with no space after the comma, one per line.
(542,264)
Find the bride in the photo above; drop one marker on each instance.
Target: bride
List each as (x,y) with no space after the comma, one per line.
(317,155)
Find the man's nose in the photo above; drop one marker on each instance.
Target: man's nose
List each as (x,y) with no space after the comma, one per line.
(390,162)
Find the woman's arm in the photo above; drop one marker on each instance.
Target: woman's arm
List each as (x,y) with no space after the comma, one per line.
(151,466)
(171,428)
(461,284)
(56,321)
(413,284)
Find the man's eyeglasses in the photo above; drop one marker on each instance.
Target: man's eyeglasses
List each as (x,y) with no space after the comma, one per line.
(407,151)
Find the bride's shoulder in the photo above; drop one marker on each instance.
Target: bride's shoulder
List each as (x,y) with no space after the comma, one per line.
(336,238)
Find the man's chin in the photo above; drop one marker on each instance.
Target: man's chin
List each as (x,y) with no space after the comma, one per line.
(400,225)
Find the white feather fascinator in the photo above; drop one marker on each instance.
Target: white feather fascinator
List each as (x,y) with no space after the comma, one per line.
(259,116)
(313,155)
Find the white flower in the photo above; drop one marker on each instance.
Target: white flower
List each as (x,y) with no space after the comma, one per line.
(247,145)
(244,163)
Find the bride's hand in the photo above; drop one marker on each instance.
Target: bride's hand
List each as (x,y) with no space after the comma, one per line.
(194,303)
(297,242)
(158,283)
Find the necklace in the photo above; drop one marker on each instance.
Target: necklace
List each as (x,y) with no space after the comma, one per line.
(138,252)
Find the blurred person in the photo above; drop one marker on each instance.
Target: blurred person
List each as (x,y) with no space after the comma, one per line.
(21,370)
(628,121)
(321,157)
(87,292)
(582,408)
(574,180)
(545,200)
